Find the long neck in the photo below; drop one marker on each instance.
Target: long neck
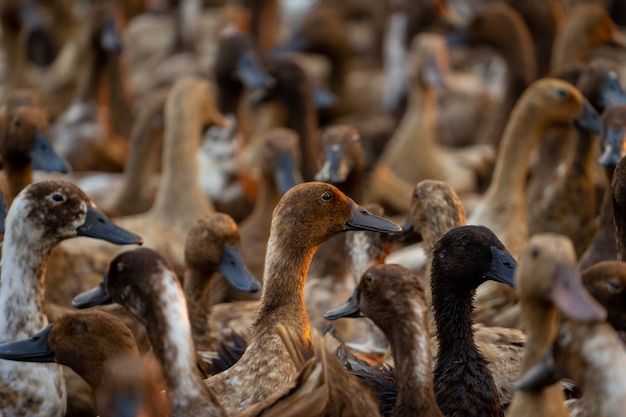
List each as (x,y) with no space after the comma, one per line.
(540,322)
(119,95)
(282,300)
(619,218)
(172,344)
(18,177)
(198,294)
(410,345)
(23,263)
(266,201)
(453,318)
(180,199)
(302,117)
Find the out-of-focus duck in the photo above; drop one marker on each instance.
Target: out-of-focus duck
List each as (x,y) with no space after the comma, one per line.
(41,216)
(547,281)
(306,216)
(606,281)
(25,146)
(547,102)
(180,201)
(413,154)
(392,286)
(618,186)
(212,246)
(141,278)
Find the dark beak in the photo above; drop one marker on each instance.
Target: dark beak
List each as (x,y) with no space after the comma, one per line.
(613,145)
(569,295)
(234,270)
(364,220)
(502,268)
(349,309)
(285,173)
(99,226)
(589,119)
(93,297)
(539,376)
(331,172)
(44,158)
(323,99)
(110,39)
(250,72)
(35,349)
(612,92)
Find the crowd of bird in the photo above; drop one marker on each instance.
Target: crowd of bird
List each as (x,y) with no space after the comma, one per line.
(313,208)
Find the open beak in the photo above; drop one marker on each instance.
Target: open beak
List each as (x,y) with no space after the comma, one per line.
(99,226)
(364,220)
(35,349)
(234,270)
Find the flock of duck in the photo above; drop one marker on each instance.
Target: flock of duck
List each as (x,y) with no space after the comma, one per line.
(265,153)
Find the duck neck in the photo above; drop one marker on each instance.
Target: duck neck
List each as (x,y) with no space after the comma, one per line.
(302,117)
(521,135)
(23,264)
(453,318)
(619,219)
(282,301)
(410,345)
(118,95)
(197,290)
(169,333)
(180,199)
(18,177)
(267,199)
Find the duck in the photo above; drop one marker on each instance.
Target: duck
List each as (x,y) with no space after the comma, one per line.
(179,201)
(547,102)
(412,154)
(306,216)
(41,216)
(617,187)
(605,281)
(25,146)
(588,353)
(386,291)
(463,258)
(140,278)
(212,246)
(548,282)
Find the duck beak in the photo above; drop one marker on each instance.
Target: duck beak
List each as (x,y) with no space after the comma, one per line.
(613,145)
(589,119)
(285,173)
(364,220)
(459,37)
(349,309)
(43,156)
(502,268)
(323,99)
(539,376)
(94,297)
(612,92)
(334,170)
(109,37)
(234,270)
(35,349)
(250,72)
(99,226)
(569,295)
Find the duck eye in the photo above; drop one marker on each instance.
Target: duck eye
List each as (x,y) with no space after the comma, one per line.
(57,197)
(534,252)
(614,285)
(369,279)
(326,197)
(17,122)
(564,337)
(561,93)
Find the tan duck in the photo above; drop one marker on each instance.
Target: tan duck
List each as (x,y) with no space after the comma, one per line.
(212,248)
(307,215)
(180,201)
(392,286)
(413,154)
(141,278)
(547,102)
(25,146)
(547,281)
(41,216)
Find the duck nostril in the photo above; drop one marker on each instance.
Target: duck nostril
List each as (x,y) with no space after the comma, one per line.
(101,220)
(364,212)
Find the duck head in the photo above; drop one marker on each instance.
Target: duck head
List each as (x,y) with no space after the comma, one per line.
(379,295)
(48,212)
(280,159)
(82,340)
(428,61)
(613,132)
(547,273)
(320,211)
(25,141)
(606,282)
(343,154)
(612,91)
(471,251)
(214,244)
